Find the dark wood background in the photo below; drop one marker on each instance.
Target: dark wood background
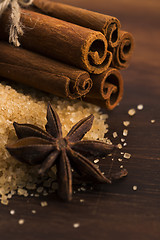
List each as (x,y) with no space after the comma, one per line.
(112,212)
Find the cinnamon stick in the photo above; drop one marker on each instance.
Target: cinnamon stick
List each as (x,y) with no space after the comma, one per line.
(67,42)
(106,24)
(123,52)
(32,69)
(107,90)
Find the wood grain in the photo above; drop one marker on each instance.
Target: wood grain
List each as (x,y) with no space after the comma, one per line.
(116,211)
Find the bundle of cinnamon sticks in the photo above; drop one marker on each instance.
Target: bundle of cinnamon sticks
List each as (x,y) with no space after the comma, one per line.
(68,51)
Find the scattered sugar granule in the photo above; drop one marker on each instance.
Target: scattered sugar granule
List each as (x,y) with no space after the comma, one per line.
(22,192)
(34,211)
(110,154)
(21,221)
(44,204)
(127,155)
(9,195)
(125,132)
(140,107)
(124,144)
(120,159)
(131,112)
(115,134)
(12,212)
(121,166)
(97,166)
(96,161)
(126,123)
(76,225)
(83,189)
(153,121)
(122,140)
(81,200)
(134,187)
(119,146)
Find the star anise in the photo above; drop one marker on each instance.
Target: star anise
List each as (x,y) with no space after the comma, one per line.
(36,146)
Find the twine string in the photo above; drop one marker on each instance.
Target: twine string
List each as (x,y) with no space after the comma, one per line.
(15,25)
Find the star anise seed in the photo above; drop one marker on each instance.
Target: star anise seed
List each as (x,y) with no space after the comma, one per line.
(36,146)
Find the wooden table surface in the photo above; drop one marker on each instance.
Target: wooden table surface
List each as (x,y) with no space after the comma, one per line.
(112,212)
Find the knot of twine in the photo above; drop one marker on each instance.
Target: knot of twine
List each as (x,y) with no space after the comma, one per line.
(16,26)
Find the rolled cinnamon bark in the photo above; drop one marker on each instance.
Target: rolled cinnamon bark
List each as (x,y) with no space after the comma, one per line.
(107,90)
(106,24)
(123,52)
(67,42)
(32,69)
